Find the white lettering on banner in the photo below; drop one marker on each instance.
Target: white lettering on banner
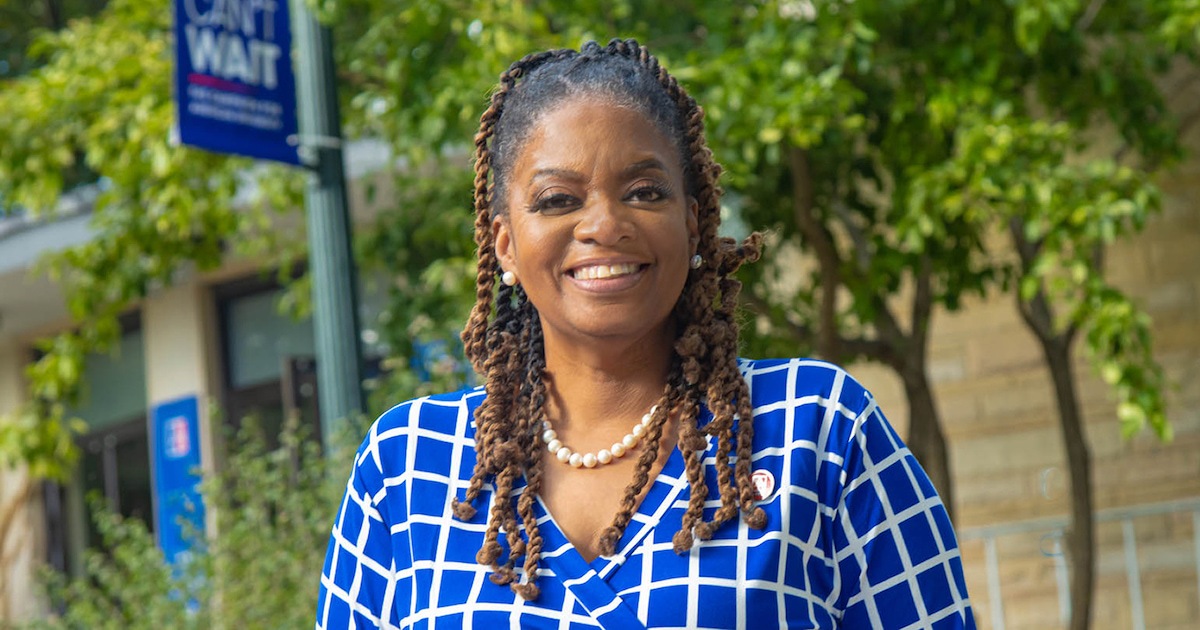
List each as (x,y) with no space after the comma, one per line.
(231,99)
(236,65)
(230,107)
(209,110)
(226,56)
(265,56)
(234,15)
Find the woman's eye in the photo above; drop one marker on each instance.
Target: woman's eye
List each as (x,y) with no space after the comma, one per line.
(554,201)
(648,194)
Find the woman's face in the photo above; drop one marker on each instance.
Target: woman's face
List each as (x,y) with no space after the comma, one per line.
(598,229)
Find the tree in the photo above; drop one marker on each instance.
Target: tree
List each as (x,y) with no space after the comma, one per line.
(21,20)
(1021,172)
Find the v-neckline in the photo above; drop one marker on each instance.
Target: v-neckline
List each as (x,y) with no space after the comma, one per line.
(588,581)
(664,489)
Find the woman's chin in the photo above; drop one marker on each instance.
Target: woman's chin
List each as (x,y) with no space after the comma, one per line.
(612,329)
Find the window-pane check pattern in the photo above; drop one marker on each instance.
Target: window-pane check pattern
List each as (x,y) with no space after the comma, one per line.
(856,535)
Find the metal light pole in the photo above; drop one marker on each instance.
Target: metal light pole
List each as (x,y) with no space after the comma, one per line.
(335,294)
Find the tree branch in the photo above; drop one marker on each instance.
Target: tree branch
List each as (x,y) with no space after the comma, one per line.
(922,306)
(862,250)
(54,15)
(822,243)
(889,330)
(1089,15)
(762,307)
(1185,123)
(1188,121)
(1027,250)
(1035,312)
(876,349)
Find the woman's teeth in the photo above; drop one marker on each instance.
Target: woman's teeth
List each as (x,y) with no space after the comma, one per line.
(598,272)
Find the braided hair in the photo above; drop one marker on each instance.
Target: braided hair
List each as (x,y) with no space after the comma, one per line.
(503,336)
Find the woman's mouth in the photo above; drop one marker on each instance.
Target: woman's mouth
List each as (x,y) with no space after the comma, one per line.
(601,272)
(607,278)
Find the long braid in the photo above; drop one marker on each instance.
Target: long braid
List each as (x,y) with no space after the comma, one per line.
(492,427)
(536,411)
(510,449)
(641,473)
(494,351)
(509,351)
(474,334)
(523,434)
(481,340)
(692,444)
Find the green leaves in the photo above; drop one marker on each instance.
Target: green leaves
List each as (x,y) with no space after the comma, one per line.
(1035,19)
(1119,344)
(1020,171)
(101,104)
(272,507)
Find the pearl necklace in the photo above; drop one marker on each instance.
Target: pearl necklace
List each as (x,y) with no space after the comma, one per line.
(606,455)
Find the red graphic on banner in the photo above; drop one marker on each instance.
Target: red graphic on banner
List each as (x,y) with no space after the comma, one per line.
(178,439)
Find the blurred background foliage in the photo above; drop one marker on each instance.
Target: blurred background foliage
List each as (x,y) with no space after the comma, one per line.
(901,155)
(271,506)
(22,20)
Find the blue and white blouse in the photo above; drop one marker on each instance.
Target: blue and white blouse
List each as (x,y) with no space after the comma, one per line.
(856,536)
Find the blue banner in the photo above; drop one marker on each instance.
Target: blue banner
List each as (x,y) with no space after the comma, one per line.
(176,444)
(233,77)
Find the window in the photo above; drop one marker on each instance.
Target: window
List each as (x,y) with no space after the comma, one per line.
(270,369)
(115,452)
(269,357)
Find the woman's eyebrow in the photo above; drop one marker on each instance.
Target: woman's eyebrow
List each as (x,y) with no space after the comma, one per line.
(644,165)
(649,164)
(565,173)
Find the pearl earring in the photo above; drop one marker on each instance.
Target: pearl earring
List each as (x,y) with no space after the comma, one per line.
(509,278)
(697,260)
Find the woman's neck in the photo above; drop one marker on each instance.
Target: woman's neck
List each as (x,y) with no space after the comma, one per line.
(605,383)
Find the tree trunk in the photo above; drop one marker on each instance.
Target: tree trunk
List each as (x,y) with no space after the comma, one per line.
(925,437)
(1080,540)
(16,507)
(54,15)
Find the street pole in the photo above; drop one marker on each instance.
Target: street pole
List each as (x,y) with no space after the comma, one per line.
(335,295)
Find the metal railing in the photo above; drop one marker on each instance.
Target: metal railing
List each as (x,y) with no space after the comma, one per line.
(1054,527)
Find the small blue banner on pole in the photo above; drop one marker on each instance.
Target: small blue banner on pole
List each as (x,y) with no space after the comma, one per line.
(176,436)
(234,85)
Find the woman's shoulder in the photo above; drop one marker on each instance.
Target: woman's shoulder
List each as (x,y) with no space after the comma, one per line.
(428,425)
(809,405)
(799,380)
(438,413)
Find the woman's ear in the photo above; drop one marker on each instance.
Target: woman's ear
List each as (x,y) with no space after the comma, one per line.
(502,240)
(693,223)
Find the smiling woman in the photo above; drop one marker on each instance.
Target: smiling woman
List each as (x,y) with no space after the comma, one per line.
(598,227)
(746,493)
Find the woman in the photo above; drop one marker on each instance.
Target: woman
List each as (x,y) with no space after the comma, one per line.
(632,470)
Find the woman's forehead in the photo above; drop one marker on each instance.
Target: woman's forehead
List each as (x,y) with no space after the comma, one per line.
(585,131)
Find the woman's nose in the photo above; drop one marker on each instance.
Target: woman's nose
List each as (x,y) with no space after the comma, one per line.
(604,221)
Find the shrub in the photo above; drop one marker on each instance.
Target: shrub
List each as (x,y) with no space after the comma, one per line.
(260,568)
